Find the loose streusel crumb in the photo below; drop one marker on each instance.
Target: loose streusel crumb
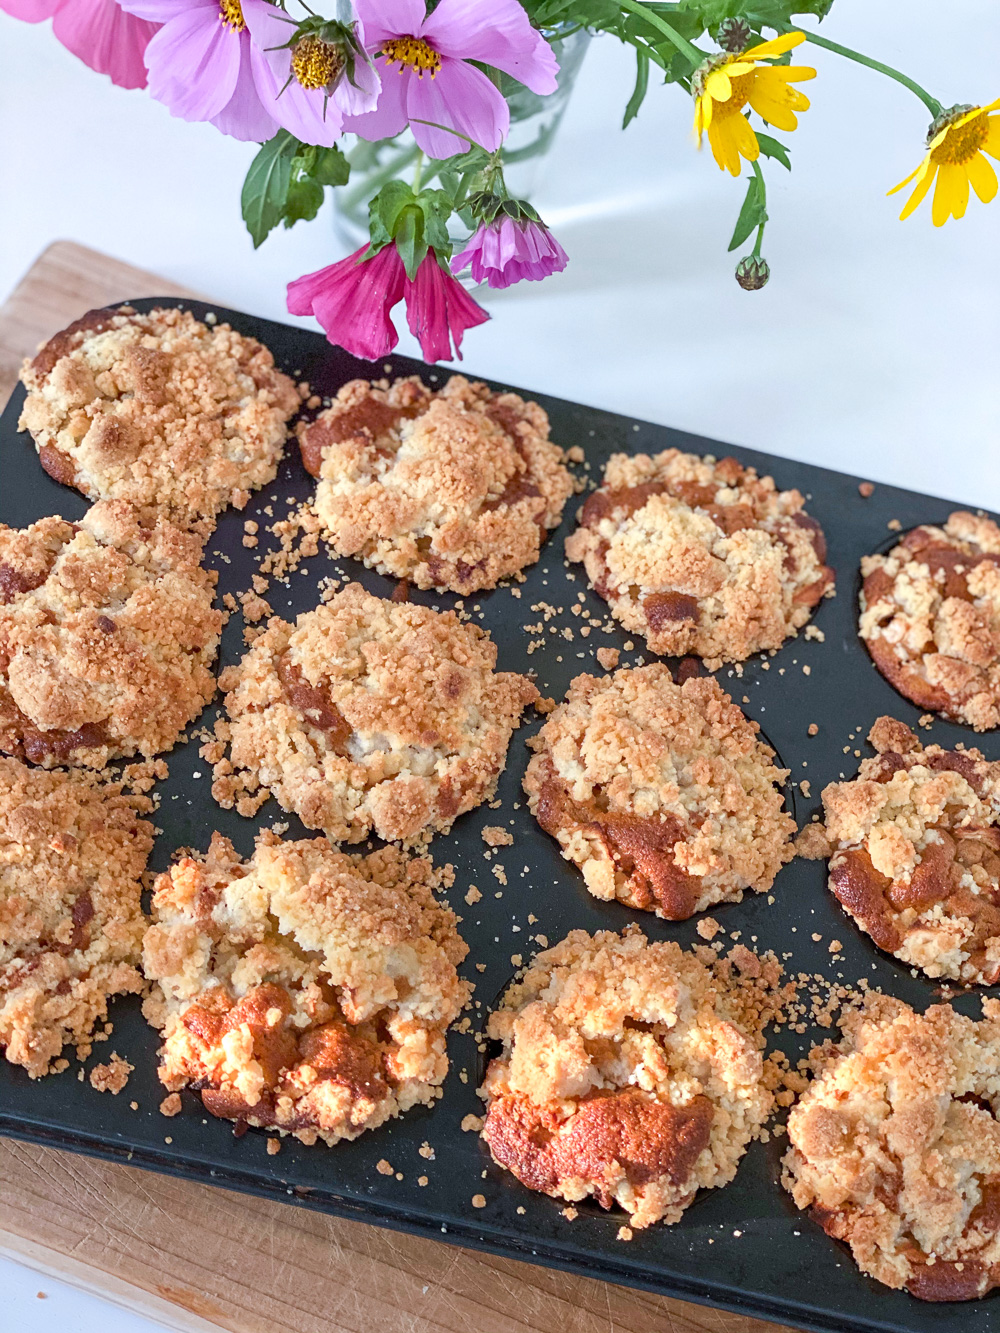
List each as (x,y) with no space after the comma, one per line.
(107,636)
(159,410)
(662,794)
(72,851)
(304,990)
(701,556)
(479,1200)
(273,1147)
(369,715)
(895,1147)
(631,1071)
(930,617)
(708,928)
(495,836)
(111,1077)
(915,841)
(383,1167)
(450,489)
(608,658)
(866,489)
(171,1104)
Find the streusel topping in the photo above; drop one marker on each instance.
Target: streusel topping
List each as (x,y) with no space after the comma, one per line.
(450,489)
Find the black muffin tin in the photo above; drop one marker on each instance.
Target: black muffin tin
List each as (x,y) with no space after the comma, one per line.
(744,1247)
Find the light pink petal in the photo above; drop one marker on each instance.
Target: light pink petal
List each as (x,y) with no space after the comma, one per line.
(509,252)
(269,26)
(352,301)
(507,40)
(244,116)
(389,116)
(194,63)
(103,36)
(361,96)
(389,18)
(30,11)
(460,96)
(162,11)
(295,108)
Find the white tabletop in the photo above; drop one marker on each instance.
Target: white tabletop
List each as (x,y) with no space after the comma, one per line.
(873,349)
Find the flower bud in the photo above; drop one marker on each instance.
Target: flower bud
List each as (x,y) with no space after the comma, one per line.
(733,34)
(752,273)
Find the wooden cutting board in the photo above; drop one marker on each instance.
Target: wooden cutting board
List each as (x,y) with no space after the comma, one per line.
(199,1258)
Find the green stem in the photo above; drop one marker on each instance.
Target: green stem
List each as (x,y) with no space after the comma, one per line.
(931,103)
(418,172)
(763,194)
(661,25)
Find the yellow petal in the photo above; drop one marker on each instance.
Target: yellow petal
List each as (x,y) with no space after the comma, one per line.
(920,193)
(992,106)
(739,67)
(992,144)
(920,170)
(745,139)
(788,73)
(778,114)
(982,177)
(951,194)
(717,85)
(777,46)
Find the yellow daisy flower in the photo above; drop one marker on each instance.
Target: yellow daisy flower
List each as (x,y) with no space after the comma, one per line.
(724,85)
(956,142)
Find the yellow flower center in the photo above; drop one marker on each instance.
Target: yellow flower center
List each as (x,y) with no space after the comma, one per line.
(961,143)
(742,86)
(231,14)
(316,63)
(412,51)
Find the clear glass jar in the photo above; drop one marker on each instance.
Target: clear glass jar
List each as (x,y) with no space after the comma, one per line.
(534,121)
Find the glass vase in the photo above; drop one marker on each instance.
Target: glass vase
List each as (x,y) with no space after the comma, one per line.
(534,122)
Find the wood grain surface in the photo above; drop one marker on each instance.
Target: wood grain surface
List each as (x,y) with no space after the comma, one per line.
(199,1258)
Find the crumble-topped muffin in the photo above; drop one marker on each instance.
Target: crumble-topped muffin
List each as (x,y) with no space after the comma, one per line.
(452,489)
(158,409)
(630,1071)
(701,556)
(896,1147)
(107,636)
(915,853)
(370,715)
(304,990)
(662,794)
(930,617)
(71,853)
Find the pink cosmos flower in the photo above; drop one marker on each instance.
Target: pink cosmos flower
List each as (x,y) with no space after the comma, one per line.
(305,87)
(426,77)
(509,250)
(352,300)
(98,32)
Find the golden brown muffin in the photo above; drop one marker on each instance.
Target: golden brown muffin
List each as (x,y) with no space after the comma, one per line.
(914,845)
(107,636)
(453,489)
(304,990)
(158,409)
(930,617)
(630,1071)
(700,556)
(896,1147)
(662,794)
(371,715)
(71,923)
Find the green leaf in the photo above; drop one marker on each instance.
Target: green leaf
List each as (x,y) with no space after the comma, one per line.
(410,240)
(303,201)
(265,189)
(331,167)
(752,214)
(641,85)
(772,148)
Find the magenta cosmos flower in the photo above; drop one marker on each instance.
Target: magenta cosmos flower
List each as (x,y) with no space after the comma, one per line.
(205,64)
(98,32)
(352,300)
(426,77)
(510,250)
